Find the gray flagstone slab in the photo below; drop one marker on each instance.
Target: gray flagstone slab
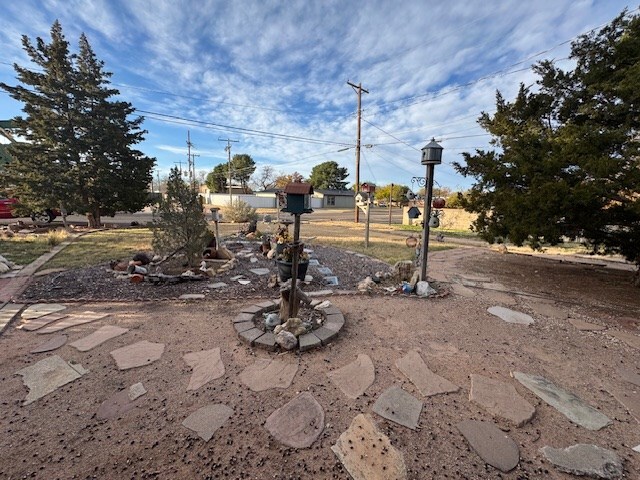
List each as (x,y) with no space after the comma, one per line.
(367,454)
(491,444)
(206,420)
(40,309)
(53,343)
(500,399)
(298,423)
(47,375)
(137,354)
(399,406)
(98,337)
(265,374)
(73,321)
(571,406)
(354,378)
(36,323)
(207,366)
(511,316)
(583,459)
(427,382)
(260,271)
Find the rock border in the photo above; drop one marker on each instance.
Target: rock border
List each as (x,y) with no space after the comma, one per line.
(244,324)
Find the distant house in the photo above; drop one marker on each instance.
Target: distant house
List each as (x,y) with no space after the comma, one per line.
(334,198)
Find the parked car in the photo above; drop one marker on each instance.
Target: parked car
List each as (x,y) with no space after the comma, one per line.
(45,216)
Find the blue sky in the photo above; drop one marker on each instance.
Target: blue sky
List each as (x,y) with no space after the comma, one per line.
(273,74)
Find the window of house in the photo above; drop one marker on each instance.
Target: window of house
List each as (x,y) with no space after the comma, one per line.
(331,200)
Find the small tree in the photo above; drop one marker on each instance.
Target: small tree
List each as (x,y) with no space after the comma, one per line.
(239,211)
(242,167)
(328,175)
(217,179)
(179,223)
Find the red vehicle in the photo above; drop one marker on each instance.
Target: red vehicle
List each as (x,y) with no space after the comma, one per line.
(6,211)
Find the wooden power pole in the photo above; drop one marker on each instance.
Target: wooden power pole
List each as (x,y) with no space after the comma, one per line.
(228,150)
(358,89)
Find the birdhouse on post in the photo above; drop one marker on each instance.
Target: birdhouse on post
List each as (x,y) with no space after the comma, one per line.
(368,188)
(298,198)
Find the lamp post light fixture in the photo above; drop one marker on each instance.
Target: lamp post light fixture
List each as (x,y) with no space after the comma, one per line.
(431,156)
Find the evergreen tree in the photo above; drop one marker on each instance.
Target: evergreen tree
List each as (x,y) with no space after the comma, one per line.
(217,179)
(568,162)
(242,167)
(179,224)
(328,175)
(79,142)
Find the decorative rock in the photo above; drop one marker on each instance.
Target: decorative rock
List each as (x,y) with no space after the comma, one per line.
(354,378)
(286,340)
(298,423)
(636,448)
(137,354)
(207,366)
(500,399)
(98,337)
(325,271)
(583,459)
(121,402)
(206,420)
(47,375)
(292,325)
(191,296)
(565,402)
(323,305)
(73,321)
(427,382)
(55,342)
(260,271)
(272,320)
(359,449)
(266,374)
(423,289)
(399,406)
(511,316)
(366,285)
(586,326)
(216,285)
(491,444)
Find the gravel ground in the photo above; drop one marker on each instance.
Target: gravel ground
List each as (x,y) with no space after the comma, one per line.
(101,283)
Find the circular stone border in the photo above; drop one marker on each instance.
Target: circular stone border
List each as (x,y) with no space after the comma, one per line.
(249,333)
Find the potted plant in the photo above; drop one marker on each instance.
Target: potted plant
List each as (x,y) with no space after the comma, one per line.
(284,261)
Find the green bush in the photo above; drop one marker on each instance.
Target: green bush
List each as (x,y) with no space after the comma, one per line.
(239,212)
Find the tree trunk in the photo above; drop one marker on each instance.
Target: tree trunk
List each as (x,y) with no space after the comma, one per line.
(63,213)
(93,218)
(636,277)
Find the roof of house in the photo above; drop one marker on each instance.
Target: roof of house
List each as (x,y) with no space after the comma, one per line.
(342,193)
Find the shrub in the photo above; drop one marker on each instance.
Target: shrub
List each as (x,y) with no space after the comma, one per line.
(56,237)
(239,212)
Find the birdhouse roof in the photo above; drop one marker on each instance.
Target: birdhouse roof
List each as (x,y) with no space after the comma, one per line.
(298,188)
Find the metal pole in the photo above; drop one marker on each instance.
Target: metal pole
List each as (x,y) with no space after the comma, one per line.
(294,262)
(426,217)
(390,199)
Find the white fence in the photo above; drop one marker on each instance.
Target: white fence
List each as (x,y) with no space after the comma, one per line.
(222,199)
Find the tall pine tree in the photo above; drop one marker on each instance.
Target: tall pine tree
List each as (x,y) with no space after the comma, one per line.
(79,150)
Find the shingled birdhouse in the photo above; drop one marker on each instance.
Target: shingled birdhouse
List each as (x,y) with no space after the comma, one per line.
(298,198)
(368,188)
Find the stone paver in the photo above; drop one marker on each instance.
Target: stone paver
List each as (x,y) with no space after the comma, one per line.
(7,313)
(571,406)
(463,291)
(243,317)
(265,374)
(629,376)
(399,406)
(325,335)
(298,423)
(137,354)
(549,310)
(120,403)
(511,316)
(216,285)
(354,378)
(427,382)
(191,296)
(583,459)
(266,341)
(207,366)
(491,444)
(251,335)
(35,324)
(206,420)
(628,338)
(73,321)
(586,326)
(243,326)
(260,271)
(98,337)
(500,399)
(40,309)
(55,342)
(334,321)
(359,449)
(308,341)
(252,309)
(47,375)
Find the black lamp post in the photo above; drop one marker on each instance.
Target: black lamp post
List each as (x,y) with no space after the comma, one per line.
(431,156)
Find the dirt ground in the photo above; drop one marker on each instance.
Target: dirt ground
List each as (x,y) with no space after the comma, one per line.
(59,435)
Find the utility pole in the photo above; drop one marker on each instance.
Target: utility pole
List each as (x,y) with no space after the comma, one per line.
(191,161)
(180,167)
(228,150)
(358,89)
(193,166)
